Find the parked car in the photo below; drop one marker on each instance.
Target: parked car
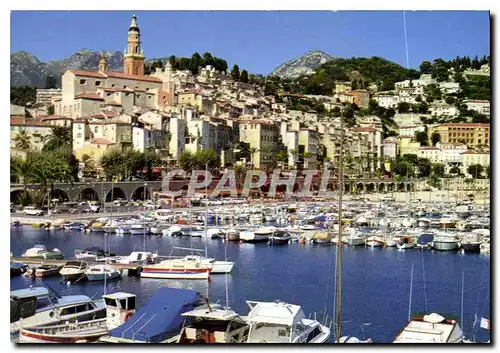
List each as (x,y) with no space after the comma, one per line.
(32,211)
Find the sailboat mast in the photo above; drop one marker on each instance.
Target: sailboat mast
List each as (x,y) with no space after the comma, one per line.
(462,305)
(411,294)
(206,210)
(339,237)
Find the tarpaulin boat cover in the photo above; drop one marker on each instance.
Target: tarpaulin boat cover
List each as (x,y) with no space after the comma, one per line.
(160,318)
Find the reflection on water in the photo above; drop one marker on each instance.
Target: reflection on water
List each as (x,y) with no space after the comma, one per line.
(375,282)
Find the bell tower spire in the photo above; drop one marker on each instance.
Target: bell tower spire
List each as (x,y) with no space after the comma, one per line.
(133,59)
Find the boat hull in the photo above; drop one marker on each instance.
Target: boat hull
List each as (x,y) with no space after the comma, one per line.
(279,240)
(101,276)
(355,241)
(174,274)
(471,247)
(73,276)
(445,245)
(47,273)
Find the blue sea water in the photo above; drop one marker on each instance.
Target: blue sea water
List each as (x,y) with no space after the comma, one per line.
(375,281)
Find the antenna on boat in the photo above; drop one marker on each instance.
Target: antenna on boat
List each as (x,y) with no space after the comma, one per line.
(462,305)
(206,210)
(339,238)
(411,293)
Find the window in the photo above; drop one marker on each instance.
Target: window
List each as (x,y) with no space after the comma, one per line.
(147,89)
(108,94)
(96,129)
(98,146)
(127,94)
(97,83)
(124,86)
(138,96)
(82,81)
(42,302)
(113,85)
(79,135)
(82,308)
(123,303)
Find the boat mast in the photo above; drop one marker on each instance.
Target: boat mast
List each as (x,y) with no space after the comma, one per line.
(339,236)
(206,210)
(411,293)
(462,305)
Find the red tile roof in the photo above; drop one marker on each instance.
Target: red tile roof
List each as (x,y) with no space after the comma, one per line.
(133,77)
(364,129)
(55,117)
(474,152)
(101,141)
(92,96)
(114,104)
(256,121)
(88,73)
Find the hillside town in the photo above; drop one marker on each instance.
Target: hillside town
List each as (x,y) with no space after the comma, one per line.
(175,114)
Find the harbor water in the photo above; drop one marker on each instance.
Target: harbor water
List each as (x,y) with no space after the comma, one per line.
(375,281)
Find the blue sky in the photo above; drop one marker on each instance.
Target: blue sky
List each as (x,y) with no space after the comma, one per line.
(257,41)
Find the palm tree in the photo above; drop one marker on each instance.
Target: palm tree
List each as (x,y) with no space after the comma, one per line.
(307,158)
(23,140)
(23,170)
(59,137)
(253,150)
(88,161)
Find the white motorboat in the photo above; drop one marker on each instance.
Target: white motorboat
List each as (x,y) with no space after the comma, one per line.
(163,215)
(356,240)
(471,242)
(258,235)
(119,307)
(173,231)
(41,252)
(35,306)
(73,271)
(101,272)
(375,241)
(216,266)
(137,258)
(177,269)
(279,322)
(213,325)
(431,328)
(445,242)
(138,229)
(89,254)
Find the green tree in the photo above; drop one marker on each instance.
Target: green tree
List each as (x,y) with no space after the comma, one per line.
(475,170)
(60,136)
(112,163)
(235,73)
(22,140)
(173,62)
(438,170)
(50,82)
(435,138)
(426,67)
(403,107)
(455,170)
(88,161)
(244,76)
(487,171)
(421,136)
(187,161)
(50,110)
(22,169)
(22,95)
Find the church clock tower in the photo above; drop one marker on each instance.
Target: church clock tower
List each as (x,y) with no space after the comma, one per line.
(133,57)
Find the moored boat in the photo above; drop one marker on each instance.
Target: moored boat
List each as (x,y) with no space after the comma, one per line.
(41,252)
(431,328)
(101,272)
(375,241)
(47,270)
(73,271)
(177,269)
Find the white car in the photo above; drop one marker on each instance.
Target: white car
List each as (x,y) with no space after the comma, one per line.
(120,202)
(32,211)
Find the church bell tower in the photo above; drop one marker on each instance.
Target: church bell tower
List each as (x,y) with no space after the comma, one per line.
(133,57)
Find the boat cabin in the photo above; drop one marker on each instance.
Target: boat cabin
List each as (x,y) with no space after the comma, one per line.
(119,308)
(279,322)
(25,302)
(209,325)
(431,328)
